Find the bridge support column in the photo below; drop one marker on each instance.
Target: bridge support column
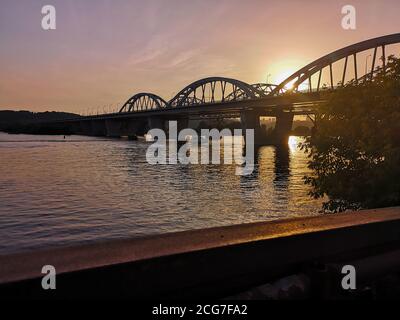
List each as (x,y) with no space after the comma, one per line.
(156,123)
(75,127)
(99,128)
(283,127)
(113,128)
(86,127)
(251,120)
(131,128)
(141,127)
(183,123)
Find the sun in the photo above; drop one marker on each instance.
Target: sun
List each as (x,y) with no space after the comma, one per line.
(281,70)
(282,76)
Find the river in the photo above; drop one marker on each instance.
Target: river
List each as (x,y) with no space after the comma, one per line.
(57,191)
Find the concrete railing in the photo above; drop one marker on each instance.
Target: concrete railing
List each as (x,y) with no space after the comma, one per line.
(215,262)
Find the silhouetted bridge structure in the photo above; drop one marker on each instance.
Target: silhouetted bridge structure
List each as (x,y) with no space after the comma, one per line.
(220,97)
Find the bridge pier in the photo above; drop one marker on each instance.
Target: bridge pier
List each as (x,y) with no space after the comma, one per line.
(156,123)
(123,128)
(251,120)
(131,128)
(113,128)
(99,128)
(283,127)
(160,123)
(183,123)
(86,127)
(75,127)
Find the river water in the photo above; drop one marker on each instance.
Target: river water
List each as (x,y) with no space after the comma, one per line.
(56,191)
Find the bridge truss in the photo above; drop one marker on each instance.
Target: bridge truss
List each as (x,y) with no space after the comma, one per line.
(328,72)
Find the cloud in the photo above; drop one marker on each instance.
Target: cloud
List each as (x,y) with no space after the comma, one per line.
(183,58)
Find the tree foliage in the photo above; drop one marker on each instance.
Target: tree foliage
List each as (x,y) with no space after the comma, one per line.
(355,148)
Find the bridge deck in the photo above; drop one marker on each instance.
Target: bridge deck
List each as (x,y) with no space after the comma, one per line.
(299,104)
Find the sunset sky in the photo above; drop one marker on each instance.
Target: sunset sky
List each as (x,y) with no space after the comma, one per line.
(102,52)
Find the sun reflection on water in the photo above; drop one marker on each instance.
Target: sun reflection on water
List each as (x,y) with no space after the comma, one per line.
(294,143)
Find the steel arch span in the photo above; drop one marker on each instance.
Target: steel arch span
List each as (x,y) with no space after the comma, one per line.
(143,102)
(349,55)
(260,90)
(214,90)
(265,88)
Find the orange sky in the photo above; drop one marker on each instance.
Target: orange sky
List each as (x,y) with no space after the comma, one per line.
(102,52)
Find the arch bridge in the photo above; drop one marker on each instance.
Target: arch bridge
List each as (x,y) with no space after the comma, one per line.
(299,94)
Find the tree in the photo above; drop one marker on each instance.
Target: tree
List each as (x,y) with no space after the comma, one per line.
(355,148)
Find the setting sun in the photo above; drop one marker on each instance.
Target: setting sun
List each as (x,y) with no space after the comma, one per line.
(281,70)
(282,76)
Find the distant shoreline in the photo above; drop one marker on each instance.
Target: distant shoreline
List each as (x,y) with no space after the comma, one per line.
(26,122)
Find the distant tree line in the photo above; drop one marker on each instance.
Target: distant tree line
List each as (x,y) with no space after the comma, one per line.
(30,122)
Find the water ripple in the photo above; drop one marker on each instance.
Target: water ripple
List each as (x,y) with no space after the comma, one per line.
(56,191)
